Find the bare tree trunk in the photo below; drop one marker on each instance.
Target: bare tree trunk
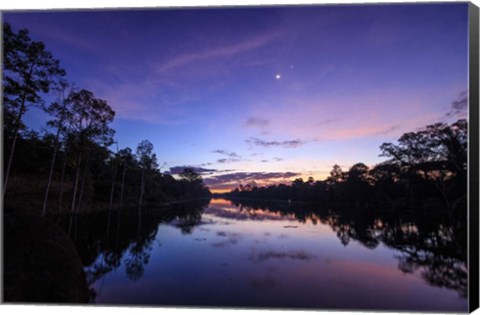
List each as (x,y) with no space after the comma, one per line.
(52,165)
(17,128)
(108,223)
(123,183)
(79,159)
(111,197)
(15,137)
(60,201)
(142,188)
(113,186)
(72,209)
(80,198)
(7,172)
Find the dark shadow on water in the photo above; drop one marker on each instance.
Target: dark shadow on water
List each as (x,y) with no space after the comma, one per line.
(106,240)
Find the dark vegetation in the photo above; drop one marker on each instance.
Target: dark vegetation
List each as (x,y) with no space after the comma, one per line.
(426,170)
(67,169)
(68,166)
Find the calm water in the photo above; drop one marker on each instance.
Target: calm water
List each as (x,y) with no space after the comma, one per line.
(223,254)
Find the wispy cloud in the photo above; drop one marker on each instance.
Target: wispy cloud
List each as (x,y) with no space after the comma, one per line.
(286,144)
(219,52)
(231,157)
(459,107)
(388,130)
(230,154)
(175,170)
(227,160)
(257,122)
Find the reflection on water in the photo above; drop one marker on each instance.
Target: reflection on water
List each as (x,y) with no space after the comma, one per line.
(274,255)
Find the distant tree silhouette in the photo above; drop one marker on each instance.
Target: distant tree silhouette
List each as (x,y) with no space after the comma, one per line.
(357,183)
(148,163)
(127,160)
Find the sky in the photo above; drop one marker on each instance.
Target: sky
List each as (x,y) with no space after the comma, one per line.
(263,93)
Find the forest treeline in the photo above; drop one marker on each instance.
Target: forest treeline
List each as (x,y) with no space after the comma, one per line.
(425,169)
(68,166)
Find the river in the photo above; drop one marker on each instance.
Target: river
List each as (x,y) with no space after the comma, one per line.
(271,255)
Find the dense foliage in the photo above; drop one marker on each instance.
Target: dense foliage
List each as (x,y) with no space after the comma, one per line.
(68,166)
(425,169)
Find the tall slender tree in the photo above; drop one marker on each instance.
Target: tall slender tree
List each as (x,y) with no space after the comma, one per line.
(89,126)
(148,162)
(61,113)
(28,70)
(128,161)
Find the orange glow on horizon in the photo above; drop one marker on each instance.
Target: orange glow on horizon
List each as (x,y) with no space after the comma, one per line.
(227,187)
(219,191)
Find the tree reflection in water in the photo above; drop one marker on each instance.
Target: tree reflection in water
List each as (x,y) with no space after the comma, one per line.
(106,240)
(430,241)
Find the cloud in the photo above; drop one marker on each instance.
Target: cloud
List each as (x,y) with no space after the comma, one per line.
(286,144)
(224,160)
(219,51)
(200,170)
(388,130)
(257,122)
(231,156)
(233,179)
(459,106)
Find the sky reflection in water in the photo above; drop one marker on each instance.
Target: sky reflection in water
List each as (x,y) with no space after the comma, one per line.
(241,257)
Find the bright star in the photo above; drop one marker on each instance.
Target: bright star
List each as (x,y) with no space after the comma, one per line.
(278,76)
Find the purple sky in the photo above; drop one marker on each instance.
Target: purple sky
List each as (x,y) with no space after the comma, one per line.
(288,91)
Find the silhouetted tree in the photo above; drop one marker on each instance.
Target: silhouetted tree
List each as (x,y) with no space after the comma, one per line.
(28,69)
(356,183)
(89,125)
(148,163)
(127,160)
(436,154)
(61,111)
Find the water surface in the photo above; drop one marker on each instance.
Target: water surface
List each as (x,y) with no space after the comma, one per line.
(273,255)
